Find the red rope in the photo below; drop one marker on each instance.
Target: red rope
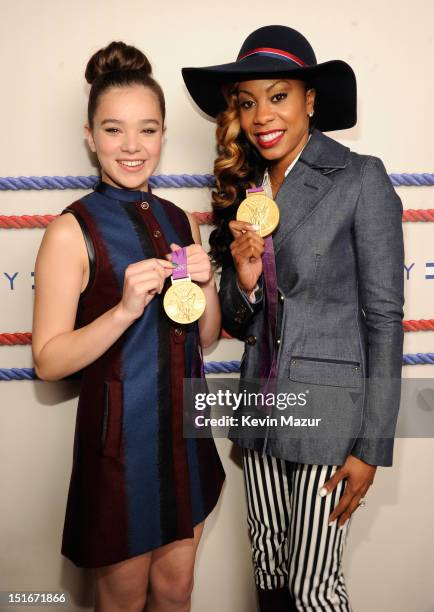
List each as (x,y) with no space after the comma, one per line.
(26,337)
(25,221)
(420,325)
(31,221)
(203,218)
(14,339)
(420,214)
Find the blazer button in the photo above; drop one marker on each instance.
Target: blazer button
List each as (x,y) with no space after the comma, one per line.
(157,233)
(251,340)
(278,341)
(281,298)
(144,205)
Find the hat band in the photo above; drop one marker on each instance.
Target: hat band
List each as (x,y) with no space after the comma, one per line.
(270,52)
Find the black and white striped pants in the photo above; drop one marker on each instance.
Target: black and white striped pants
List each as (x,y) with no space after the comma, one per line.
(293,546)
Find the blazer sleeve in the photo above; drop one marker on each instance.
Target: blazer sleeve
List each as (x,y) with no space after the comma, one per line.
(380,259)
(237,310)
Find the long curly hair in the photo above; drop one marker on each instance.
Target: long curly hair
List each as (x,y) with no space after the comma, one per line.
(236,168)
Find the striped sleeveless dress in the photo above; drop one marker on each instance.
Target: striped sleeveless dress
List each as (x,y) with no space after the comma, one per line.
(136,483)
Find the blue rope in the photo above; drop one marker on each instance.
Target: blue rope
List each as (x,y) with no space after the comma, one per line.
(17,374)
(221,367)
(412,180)
(418,358)
(211,367)
(10,183)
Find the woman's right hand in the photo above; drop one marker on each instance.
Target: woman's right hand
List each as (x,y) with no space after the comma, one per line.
(142,280)
(247,249)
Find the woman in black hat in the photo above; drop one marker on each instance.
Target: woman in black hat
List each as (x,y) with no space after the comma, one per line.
(320,304)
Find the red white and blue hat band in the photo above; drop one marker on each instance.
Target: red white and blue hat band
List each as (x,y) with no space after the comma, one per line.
(274,53)
(280,50)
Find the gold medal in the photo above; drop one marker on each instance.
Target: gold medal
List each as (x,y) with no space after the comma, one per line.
(184,301)
(259,209)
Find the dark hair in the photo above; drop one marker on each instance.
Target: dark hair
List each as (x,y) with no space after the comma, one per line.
(238,166)
(119,65)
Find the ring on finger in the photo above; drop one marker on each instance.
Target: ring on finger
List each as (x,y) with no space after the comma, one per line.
(362,502)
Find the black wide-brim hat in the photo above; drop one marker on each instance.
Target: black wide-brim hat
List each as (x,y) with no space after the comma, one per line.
(279,51)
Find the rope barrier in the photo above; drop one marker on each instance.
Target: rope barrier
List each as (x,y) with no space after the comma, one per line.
(7,374)
(21,338)
(221,367)
(413,179)
(178,181)
(203,218)
(211,367)
(418,359)
(41,221)
(417,215)
(15,339)
(25,221)
(11,183)
(420,325)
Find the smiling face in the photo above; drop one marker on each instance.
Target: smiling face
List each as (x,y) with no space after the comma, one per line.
(274,117)
(127,136)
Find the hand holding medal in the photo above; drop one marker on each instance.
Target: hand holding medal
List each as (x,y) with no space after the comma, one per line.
(257,217)
(184,302)
(262,212)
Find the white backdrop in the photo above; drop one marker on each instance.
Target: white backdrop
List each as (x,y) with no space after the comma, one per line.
(44,49)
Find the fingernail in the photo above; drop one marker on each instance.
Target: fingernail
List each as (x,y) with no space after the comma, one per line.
(174,264)
(255,227)
(341,527)
(322,492)
(332,523)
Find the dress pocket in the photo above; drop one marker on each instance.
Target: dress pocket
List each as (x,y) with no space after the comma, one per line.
(111,420)
(327,372)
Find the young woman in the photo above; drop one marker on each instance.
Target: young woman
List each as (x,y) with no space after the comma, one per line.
(139,492)
(338,290)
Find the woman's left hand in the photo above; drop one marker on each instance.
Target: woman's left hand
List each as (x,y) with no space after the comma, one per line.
(359,476)
(198,263)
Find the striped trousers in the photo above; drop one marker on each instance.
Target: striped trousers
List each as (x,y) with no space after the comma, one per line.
(293,546)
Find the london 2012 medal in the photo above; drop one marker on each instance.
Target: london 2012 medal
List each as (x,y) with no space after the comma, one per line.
(259,209)
(184,302)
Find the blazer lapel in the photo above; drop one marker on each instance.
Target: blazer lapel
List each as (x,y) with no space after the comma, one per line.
(307,184)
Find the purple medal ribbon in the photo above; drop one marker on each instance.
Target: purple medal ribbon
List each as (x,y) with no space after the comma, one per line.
(179,257)
(268,369)
(269,363)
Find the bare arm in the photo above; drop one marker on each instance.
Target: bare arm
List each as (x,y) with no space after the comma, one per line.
(60,274)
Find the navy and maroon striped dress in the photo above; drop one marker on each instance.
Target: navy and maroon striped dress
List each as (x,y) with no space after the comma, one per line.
(136,483)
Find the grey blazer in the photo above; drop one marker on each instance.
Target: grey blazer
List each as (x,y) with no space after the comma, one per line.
(339,260)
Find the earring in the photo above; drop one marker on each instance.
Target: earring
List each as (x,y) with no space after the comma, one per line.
(310,114)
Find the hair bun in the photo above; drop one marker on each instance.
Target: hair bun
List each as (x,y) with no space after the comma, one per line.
(116,56)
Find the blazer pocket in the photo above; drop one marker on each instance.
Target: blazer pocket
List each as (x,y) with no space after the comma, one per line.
(327,372)
(111,421)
